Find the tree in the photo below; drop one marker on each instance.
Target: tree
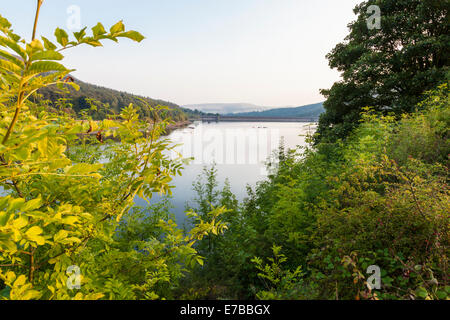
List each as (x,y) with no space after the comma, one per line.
(387,68)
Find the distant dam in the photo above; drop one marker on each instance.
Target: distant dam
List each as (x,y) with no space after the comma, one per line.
(219,118)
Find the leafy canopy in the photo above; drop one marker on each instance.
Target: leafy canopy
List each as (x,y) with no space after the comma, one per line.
(389,68)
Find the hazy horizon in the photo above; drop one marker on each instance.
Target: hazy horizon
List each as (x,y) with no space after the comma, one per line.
(239,107)
(261,52)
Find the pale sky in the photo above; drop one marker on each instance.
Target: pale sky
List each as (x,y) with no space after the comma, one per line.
(265,52)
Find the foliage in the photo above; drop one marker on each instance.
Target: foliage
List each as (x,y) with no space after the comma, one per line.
(387,68)
(389,207)
(282,284)
(221,253)
(63,202)
(379,198)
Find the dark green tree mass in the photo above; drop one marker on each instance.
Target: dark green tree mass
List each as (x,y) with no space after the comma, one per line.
(388,68)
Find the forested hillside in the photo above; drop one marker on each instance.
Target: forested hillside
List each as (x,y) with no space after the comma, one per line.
(308,111)
(108,101)
(224,108)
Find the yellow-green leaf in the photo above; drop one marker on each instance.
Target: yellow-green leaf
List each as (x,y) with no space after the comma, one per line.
(45,66)
(48,45)
(16,204)
(62,37)
(20,281)
(34,235)
(32,204)
(61,235)
(118,27)
(98,30)
(20,222)
(133,35)
(47,55)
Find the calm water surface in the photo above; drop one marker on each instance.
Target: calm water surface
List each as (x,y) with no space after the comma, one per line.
(239,149)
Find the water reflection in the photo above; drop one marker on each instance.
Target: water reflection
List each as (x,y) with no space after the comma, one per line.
(239,150)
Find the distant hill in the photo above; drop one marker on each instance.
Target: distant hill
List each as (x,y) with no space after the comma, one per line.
(114,98)
(225,108)
(308,111)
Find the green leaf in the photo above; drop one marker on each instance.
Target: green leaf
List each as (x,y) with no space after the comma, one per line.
(441,294)
(9,66)
(14,37)
(4,217)
(4,23)
(51,77)
(47,55)
(70,220)
(71,240)
(98,30)
(61,235)
(45,66)
(16,204)
(20,222)
(34,231)
(133,35)
(32,205)
(117,28)
(34,235)
(422,292)
(13,46)
(107,124)
(5,293)
(83,168)
(51,148)
(22,153)
(79,35)
(48,45)
(11,58)
(20,281)
(62,37)
(92,42)
(8,244)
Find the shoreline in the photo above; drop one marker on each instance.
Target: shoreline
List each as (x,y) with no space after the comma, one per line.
(175,126)
(169,129)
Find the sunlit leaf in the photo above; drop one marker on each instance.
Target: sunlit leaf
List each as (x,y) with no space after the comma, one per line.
(62,37)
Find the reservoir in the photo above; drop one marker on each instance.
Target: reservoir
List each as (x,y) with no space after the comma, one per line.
(239,151)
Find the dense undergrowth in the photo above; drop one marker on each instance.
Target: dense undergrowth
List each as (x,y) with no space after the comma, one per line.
(378,198)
